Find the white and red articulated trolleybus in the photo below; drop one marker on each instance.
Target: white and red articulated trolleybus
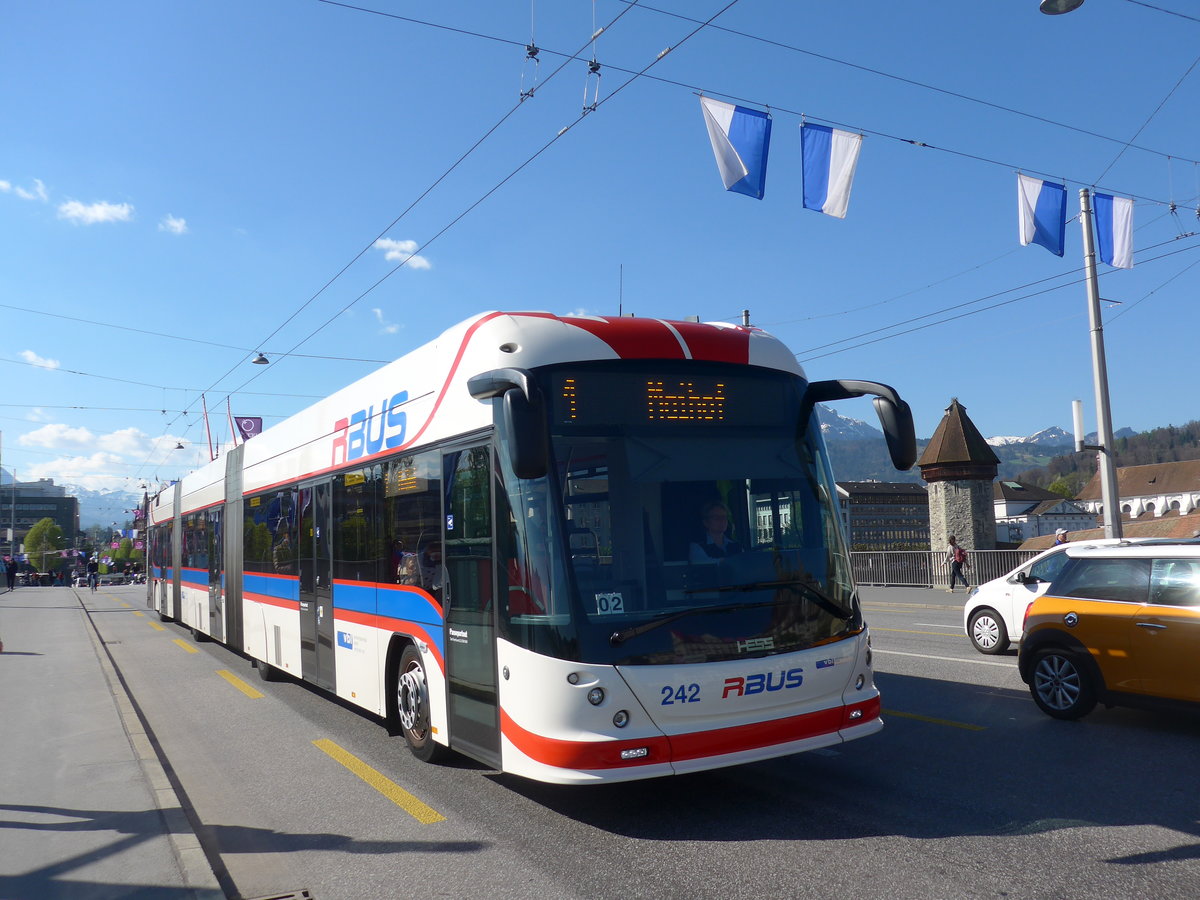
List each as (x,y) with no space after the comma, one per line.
(509,543)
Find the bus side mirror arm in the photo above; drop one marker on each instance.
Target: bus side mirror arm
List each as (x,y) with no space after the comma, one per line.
(895,417)
(522,417)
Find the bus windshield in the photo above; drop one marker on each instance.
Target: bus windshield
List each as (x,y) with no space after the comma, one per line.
(693,522)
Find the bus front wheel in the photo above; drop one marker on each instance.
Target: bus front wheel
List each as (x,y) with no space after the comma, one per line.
(412,706)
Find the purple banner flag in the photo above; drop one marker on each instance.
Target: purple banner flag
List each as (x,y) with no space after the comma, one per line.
(249,426)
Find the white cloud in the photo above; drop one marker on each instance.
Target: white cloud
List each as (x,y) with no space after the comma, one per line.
(94,472)
(129,441)
(34,360)
(173,225)
(95,213)
(38,192)
(397,251)
(385,326)
(37,414)
(58,437)
(103,462)
(5,186)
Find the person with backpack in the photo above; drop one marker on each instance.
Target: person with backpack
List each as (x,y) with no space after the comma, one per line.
(956,556)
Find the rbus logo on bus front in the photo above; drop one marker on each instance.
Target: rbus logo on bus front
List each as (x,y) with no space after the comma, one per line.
(367,432)
(744,686)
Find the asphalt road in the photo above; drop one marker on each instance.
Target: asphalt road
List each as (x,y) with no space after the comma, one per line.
(969,791)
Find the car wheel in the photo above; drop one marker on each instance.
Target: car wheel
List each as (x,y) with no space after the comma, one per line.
(1061,686)
(987,631)
(412,706)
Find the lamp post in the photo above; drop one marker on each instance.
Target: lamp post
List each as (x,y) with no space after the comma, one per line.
(1104,434)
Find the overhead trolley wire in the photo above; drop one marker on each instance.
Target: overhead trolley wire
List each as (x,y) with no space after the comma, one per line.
(396,220)
(662,54)
(1078,280)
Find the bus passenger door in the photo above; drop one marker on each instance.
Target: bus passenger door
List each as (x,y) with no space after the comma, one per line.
(467,602)
(316,585)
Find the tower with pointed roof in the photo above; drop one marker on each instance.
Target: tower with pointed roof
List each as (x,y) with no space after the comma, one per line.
(960,467)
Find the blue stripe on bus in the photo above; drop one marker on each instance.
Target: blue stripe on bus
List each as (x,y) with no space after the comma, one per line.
(272,586)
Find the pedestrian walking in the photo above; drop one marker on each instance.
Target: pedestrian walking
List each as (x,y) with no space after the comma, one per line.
(10,573)
(1060,536)
(956,556)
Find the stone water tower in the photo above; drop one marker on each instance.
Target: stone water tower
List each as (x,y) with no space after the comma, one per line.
(959,466)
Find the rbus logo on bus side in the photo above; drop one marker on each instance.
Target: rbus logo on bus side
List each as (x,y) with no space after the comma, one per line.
(365,432)
(740,686)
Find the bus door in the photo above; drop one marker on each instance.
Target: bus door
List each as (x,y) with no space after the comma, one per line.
(467,602)
(315,558)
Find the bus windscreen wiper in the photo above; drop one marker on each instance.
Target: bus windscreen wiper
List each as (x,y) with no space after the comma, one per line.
(826,603)
(620,637)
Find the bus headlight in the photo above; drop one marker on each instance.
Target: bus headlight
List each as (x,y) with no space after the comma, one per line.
(621,718)
(596,696)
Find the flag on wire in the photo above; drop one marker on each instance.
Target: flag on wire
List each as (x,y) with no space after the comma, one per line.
(249,426)
(1042,213)
(830,157)
(740,138)
(1114,229)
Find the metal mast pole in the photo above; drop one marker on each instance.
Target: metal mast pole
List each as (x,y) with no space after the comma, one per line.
(1104,458)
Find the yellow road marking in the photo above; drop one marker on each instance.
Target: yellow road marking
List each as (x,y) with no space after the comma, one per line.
(424,814)
(156,626)
(140,615)
(123,603)
(933,721)
(905,631)
(239,684)
(186,646)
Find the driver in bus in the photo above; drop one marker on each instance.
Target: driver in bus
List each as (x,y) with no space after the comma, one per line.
(715,545)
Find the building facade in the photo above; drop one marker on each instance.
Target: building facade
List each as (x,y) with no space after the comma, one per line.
(25,503)
(1149,492)
(1025,511)
(883,515)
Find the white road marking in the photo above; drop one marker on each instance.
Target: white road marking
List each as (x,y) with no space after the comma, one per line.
(978,662)
(936,625)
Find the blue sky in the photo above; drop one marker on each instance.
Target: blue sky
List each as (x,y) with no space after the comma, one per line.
(202,170)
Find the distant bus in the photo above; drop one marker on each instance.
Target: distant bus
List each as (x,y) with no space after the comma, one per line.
(509,543)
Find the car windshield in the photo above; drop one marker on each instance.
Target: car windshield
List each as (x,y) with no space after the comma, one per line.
(683,541)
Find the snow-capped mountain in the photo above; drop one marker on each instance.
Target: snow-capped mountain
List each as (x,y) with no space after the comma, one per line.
(836,427)
(1047,437)
(1053,437)
(104,507)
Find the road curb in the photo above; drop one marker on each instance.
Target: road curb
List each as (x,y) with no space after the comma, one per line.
(198,875)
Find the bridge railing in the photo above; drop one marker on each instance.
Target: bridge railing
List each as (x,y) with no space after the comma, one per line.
(928,568)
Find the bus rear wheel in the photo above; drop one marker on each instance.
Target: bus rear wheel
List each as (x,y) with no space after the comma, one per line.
(412,706)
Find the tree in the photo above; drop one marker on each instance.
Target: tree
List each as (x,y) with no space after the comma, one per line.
(44,538)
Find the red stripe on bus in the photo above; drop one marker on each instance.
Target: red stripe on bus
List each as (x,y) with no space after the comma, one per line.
(593,755)
(268,600)
(385,623)
(633,338)
(713,344)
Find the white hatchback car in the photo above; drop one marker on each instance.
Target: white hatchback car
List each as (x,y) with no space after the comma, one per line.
(994,611)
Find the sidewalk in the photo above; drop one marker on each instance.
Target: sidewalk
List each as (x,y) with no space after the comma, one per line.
(912,597)
(86,810)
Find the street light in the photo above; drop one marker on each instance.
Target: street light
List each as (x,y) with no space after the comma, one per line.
(1058,7)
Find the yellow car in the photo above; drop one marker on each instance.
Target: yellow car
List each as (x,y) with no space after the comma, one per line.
(1119,625)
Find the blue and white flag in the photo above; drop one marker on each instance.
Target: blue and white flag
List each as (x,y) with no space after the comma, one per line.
(740,138)
(830,157)
(1114,230)
(1042,213)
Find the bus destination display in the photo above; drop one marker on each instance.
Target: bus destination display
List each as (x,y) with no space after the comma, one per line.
(611,398)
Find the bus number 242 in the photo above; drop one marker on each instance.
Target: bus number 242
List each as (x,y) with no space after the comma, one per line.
(685,693)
